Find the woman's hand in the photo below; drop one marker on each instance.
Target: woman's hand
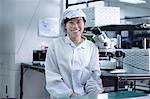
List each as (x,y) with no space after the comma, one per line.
(74,94)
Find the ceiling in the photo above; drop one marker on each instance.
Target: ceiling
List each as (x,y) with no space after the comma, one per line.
(135,19)
(142,5)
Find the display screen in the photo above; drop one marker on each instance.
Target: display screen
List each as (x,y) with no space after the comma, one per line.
(39,55)
(125,33)
(111,34)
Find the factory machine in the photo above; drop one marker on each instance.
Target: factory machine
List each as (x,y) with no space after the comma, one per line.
(110,53)
(115,59)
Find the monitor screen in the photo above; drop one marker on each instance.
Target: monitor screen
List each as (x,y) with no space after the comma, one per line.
(39,55)
(111,34)
(125,33)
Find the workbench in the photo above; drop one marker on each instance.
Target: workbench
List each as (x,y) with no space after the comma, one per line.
(116,77)
(125,77)
(114,95)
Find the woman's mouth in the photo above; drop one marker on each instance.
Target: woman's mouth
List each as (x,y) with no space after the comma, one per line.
(75,30)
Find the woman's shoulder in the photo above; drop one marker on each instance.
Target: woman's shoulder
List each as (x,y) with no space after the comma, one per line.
(90,43)
(56,41)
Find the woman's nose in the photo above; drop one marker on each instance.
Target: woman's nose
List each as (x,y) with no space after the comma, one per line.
(75,25)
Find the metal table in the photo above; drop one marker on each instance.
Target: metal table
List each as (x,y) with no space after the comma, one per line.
(24,68)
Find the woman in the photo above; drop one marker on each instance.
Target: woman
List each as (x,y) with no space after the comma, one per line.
(72,61)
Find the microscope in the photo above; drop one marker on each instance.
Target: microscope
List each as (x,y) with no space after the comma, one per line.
(109,50)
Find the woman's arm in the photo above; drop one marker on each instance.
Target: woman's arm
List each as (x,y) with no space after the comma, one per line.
(94,84)
(54,81)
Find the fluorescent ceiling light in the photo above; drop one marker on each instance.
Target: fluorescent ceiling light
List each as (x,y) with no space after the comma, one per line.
(133,1)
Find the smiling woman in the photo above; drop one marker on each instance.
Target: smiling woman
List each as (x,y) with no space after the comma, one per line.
(72,61)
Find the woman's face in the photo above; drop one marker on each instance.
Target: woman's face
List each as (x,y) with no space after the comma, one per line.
(75,26)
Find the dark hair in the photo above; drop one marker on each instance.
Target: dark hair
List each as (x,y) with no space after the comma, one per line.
(67,19)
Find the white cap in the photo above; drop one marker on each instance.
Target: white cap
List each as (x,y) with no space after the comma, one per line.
(70,13)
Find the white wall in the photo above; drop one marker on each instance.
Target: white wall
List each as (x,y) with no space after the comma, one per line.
(8,43)
(19,38)
(27,40)
(0,43)
(0,29)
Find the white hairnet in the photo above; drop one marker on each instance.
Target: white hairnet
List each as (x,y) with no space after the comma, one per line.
(70,13)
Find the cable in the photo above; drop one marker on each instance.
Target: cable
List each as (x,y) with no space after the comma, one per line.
(132,65)
(26,32)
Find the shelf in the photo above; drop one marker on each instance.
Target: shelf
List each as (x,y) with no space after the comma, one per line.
(88,1)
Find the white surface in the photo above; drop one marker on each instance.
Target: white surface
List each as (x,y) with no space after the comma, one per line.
(118,71)
(103,96)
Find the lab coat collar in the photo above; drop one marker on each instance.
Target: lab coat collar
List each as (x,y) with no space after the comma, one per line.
(82,45)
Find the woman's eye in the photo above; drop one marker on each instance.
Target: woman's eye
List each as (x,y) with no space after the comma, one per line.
(71,22)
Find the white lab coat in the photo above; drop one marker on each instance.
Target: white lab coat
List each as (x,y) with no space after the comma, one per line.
(72,69)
